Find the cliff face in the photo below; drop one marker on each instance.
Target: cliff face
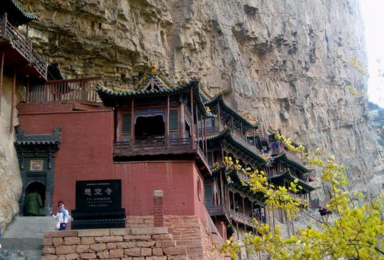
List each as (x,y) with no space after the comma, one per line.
(294,65)
(10,180)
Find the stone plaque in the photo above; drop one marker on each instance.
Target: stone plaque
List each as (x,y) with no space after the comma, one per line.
(36,165)
(98,195)
(98,205)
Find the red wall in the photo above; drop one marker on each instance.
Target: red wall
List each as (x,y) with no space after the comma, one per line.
(86,154)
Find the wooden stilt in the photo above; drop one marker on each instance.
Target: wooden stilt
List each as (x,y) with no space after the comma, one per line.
(1,76)
(13,100)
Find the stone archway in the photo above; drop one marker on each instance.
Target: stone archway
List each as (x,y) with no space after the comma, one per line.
(38,188)
(36,155)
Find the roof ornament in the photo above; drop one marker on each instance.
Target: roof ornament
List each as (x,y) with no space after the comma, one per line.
(153,68)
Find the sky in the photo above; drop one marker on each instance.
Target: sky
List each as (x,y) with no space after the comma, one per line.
(373,16)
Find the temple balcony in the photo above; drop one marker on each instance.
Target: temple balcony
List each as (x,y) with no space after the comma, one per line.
(241,218)
(78,90)
(19,52)
(217,210)
(291,155)
(160,147)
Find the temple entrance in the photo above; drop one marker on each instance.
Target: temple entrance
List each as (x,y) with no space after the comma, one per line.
(34,200)
(149,127)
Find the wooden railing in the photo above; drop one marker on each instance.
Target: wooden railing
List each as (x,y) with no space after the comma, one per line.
(148,142)
(241,140)
(241,218)
(210,129)
(291,155)
(217,210)
(23,45)
(65,90)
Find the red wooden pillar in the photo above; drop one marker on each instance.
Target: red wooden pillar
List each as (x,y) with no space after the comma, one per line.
(119,125)
(158,208)
(167,123)
(205,139)
(182,120)
(133,122)
(192,123)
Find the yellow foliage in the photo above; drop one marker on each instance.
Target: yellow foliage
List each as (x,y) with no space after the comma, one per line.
(356,233)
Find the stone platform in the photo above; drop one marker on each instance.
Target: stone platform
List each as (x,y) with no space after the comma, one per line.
(152,243)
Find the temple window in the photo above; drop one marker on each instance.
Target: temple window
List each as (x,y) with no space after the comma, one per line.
(126,127)
(149,127)
(187,130)
(173,124)
(208,195)
(210,124)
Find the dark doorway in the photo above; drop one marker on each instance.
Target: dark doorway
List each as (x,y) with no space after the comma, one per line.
(187,130)
(35,187)
(147,127)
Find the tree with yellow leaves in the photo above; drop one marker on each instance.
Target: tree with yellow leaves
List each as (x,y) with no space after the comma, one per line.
(357,232)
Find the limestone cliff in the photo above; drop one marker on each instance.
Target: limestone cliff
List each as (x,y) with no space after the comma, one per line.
(10,180)
(296,65)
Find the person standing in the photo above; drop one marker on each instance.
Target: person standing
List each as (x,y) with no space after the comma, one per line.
(33,204)
(62,217)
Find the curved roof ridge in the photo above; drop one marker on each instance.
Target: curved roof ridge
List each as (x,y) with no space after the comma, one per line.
(220,98)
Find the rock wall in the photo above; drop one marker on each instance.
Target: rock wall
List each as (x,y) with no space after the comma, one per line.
(294,65)
(10,180)
(129,244)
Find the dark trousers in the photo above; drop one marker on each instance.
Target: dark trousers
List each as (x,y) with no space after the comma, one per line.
(63,226)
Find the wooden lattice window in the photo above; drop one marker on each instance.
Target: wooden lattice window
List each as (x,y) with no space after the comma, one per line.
(173,123)
(126,122)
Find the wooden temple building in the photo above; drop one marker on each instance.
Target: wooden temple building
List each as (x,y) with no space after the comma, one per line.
(156,135)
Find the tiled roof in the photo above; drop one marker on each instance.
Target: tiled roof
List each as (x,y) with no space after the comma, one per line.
(52,140)
(226,134)
(16,15)
(295,163)
(288,176)
(110,97)
(220,99)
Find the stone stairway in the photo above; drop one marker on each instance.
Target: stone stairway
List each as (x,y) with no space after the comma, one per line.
(23,239)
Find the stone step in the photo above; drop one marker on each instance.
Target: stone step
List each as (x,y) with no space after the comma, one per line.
(21,243)
(30,227)
(22,255)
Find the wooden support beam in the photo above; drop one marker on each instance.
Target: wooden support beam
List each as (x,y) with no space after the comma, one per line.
(133,122)
(197,127)
(2,75)
(167,122)
(182,121)
(222,194)
(118,125)
(205,139)
(218,112)
(193,120)
(13,100)
(27,91)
